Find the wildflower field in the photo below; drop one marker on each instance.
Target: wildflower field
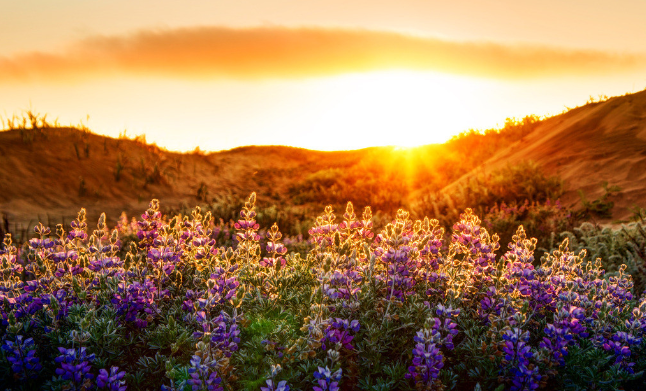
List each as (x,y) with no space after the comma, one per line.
(185,303)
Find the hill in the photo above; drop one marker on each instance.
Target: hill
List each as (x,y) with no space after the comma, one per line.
(47,173)
(53,172)
(587,146)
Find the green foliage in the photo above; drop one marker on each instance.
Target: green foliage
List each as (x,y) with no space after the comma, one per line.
(589,368)
(601,207)
(615,247)
(378,186)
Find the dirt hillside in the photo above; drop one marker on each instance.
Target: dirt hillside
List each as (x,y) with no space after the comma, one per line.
(48,174)
(589,145)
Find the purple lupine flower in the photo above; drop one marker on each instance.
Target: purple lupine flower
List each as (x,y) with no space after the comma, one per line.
(78,230)
(491,304)
(271,383)
(620,344)
(427,362)
(430,254)
(560,334)
(532,284)
(245,225)
(324,229)
(62,256)
(148,227)
(22,357)
(174,386)
(444,325)
(281,386)
(342,284)
(353,230)
(225,285)
(270,262)
(187,305)
(427,357)
(164,256)
(24,305)
(225,335)
(113,380)
(327,380)
(247,238)
(204,375)
(523,374)
(136,299)
(106,265)
(402,269)
(338,333)
(477,247)
(275,249)
(75,367)
(278,248)
(408,252)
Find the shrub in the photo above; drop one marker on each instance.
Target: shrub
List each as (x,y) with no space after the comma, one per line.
(601,207)
(540,220)
(616,247)
(511,186)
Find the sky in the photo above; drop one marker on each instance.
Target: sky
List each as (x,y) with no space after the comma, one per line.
(326,75)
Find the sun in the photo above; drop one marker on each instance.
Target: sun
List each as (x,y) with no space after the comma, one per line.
(398,108)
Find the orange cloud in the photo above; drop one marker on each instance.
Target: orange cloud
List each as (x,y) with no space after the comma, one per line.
(277,52)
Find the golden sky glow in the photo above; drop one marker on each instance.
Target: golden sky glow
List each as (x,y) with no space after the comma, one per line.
(317,74)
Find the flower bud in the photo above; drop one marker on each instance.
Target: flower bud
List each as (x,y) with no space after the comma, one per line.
(334,355)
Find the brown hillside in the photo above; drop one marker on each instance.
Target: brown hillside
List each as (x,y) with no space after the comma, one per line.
(604,141)
(41,179)
(49,174)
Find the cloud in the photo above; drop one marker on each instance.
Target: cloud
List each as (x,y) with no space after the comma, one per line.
(278,52)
